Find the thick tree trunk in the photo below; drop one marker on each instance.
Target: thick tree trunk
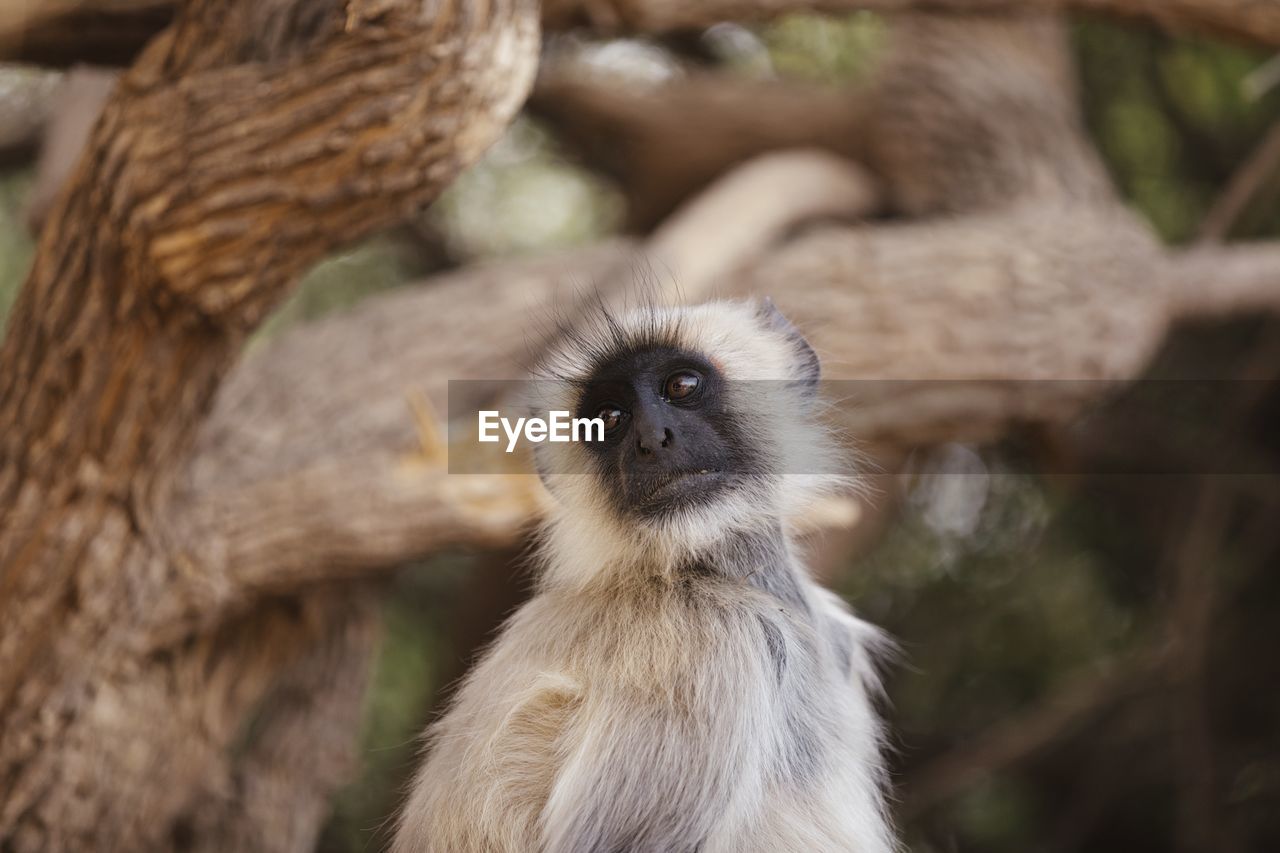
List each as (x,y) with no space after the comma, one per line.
(249,139)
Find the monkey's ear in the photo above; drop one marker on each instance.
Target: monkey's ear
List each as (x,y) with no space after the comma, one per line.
(810,369)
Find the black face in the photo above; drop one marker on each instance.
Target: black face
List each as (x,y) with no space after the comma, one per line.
(669,440)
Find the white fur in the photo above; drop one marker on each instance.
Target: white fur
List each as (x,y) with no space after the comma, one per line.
(633,706)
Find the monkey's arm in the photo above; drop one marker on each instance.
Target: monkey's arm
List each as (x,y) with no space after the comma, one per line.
(646,776)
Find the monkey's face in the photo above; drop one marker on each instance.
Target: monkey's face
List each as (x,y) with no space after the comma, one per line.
(670,440)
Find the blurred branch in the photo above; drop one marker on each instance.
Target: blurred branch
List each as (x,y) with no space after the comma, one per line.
(724,229)
(966,325)
(1066,710)
(1213,281)
(75,107)
(664,144)
(969,324)
(25,108)
(277,415)
(1245,20)
(318,450)
(334,522)
(1260,167)
(61,33)
(1189,627)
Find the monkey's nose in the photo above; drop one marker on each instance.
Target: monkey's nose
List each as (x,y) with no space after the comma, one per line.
(656,439)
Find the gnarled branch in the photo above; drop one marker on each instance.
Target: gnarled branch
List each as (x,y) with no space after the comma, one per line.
(248,140)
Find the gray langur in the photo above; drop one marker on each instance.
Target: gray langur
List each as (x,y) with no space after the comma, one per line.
(677,683)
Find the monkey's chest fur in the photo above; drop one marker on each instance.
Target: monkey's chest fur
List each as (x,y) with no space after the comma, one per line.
(713,711)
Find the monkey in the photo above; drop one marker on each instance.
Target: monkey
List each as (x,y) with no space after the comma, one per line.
(677,683)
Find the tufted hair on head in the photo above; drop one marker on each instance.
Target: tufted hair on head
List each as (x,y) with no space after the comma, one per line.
(771,375)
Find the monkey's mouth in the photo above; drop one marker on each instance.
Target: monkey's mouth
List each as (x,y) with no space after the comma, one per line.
(677,488)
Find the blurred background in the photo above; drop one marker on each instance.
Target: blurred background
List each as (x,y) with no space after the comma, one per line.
(1089,654)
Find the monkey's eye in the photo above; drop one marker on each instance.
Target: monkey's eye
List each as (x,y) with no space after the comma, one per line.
(682,385)
(611,415)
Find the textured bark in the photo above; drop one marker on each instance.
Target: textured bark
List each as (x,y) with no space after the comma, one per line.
(248,140)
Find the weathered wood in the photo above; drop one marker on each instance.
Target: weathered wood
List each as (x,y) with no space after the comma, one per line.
(249,139)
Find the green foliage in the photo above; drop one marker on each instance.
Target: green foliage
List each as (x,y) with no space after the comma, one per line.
(834,50)
(341,281)
(1173,120)
(1020,601)
(524,197)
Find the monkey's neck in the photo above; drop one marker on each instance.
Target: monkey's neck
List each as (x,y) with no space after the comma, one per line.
(578,554)
(762,558)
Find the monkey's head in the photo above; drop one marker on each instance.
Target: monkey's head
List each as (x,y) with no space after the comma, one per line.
(710,425)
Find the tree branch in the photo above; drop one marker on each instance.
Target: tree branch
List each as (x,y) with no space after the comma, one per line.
(723,230)
(276,415)
(1243,20)
(251,138)
(75,107)
(334,522)
(62,33)
(955,329)
(1215,281)
(1252,175)
(25,108)
(943,83)
(1026,325)
(665,144)
(948,328)
(302,476)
